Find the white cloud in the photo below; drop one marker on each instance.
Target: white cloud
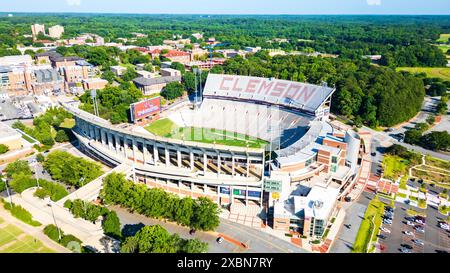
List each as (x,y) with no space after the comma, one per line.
(73,2)
(373,2)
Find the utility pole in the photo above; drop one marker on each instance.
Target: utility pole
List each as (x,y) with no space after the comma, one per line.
(54,219)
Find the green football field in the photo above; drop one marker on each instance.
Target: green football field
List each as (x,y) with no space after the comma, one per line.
(14,240)
(166,128)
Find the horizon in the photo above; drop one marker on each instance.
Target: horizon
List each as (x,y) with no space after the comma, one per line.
(232,7)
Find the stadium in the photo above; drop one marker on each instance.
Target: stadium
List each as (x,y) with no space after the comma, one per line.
(245,136)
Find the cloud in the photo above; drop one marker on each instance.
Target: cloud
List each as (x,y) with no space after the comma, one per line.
(373,2)
(73,2)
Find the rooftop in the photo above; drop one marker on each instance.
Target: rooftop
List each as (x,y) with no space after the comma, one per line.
(148,82)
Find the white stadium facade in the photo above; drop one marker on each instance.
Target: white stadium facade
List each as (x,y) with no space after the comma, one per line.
(292,117)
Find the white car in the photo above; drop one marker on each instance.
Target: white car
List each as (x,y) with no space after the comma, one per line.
(409,223)
(409,233)
(385,230)
(444,226)
(418,242)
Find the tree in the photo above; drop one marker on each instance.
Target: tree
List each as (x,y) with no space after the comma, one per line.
(151,239)
(18,167)
(188,80)
(109,76)
(205,215)
(3,149)
(40,158)
(111,225)
(61,136)
(194,246)
(129,74)
(436,141)
(413,136)
(178,66)
(172,91)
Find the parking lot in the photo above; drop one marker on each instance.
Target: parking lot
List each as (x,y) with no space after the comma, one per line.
(434,238)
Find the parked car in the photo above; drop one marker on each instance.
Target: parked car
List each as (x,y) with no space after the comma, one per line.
(220,240)
(385,230)
(419,221)
(405,250)
(409,233)
(444,225)
(409,223)
(418,242)
(381,236)
(419,229)
(407,246)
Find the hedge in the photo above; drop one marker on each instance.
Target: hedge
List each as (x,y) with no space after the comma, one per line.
(21,214)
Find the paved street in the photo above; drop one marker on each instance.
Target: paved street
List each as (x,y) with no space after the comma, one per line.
(258,241)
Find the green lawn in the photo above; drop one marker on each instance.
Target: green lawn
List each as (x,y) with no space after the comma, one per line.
(432,72)
(394,166)
(444,48)
(13,240)
(374,212)
(166,128)
(68,123)
(443,38)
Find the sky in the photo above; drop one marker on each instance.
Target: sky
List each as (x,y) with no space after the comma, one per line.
(231,6)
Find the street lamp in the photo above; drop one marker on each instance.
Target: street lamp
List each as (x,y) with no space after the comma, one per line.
(35,173)
(7,191)
(54,219)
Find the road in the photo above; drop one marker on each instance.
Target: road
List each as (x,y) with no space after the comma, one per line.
(382,140)
(258,241)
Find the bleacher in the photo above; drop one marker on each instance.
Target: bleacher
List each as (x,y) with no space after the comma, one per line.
(295,95)
(270,123)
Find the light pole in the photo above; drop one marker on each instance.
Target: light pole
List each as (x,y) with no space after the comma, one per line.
(7,191)
(35,173)
(54,219)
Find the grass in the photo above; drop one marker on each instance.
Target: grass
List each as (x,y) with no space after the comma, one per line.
(432,161)
(402,195)
(68,123)
(444,48)
(13,240)
(394,166)
(27,138)
(432,72)
(443,38)
(166,128)
(403,182)
(374,211)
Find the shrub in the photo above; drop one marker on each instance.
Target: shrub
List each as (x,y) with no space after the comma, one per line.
(21,214)
(66,239)
(68,204)
(3,149)
(111,225)
(19,166)
(51,189)
(52,232)
(40,158)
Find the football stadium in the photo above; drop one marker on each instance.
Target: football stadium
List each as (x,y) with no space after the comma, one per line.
(248,142)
